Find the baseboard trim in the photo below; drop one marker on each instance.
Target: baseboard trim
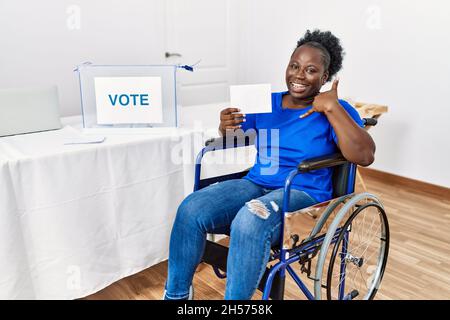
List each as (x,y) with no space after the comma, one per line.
(406,182)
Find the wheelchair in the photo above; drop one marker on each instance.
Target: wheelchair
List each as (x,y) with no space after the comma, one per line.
(342,257)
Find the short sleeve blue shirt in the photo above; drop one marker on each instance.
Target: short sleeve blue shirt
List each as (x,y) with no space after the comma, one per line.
(284,140)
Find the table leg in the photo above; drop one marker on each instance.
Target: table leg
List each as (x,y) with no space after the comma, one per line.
(359,177)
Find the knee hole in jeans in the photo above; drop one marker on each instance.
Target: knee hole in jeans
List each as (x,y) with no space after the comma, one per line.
(259,208)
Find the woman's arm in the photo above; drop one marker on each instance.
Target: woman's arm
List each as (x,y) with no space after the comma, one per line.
(355,143)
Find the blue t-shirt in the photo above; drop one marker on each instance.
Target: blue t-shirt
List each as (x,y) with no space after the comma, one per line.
(284,140)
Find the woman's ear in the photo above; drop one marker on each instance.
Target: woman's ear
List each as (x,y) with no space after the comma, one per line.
(325,77)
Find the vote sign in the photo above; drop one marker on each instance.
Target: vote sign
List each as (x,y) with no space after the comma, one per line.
(128,100)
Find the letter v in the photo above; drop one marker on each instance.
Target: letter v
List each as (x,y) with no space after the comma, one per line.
(113,102)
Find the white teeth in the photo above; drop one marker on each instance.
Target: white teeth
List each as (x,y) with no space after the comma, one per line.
(297,85)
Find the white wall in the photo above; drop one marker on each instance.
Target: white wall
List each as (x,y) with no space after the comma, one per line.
(42,41)
(397,54)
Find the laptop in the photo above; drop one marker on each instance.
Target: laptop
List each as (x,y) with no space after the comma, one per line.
(29,110)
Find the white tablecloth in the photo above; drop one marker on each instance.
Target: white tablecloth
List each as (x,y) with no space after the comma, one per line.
(75,218)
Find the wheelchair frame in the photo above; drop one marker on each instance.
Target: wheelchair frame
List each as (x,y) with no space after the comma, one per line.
(272,283)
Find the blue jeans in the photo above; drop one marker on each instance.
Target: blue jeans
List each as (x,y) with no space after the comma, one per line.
(248,212)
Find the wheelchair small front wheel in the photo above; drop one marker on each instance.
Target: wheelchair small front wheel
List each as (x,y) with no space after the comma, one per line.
(356,251)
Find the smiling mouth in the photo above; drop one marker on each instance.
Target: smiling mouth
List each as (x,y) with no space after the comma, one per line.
(298,86)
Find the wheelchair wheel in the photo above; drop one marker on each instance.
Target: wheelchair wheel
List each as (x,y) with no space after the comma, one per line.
(354,253)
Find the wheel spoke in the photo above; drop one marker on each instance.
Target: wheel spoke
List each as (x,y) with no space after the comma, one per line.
(367,242)
(341,280)
(371,225)
(364,280)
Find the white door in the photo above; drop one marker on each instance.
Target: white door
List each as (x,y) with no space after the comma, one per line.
(200,30)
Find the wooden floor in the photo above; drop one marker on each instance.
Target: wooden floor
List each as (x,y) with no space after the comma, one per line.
(418,265)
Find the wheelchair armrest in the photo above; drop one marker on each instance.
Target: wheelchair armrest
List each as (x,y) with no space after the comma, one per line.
(231,141)
(327,161)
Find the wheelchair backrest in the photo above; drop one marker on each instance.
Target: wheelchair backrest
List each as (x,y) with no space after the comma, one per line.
(343,179)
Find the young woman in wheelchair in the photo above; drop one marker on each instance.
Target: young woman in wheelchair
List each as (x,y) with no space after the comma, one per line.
(304,123)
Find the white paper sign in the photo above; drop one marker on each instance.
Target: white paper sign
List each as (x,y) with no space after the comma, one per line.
(253,98)
(133,100)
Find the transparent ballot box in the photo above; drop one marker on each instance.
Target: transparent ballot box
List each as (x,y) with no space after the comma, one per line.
(124,96)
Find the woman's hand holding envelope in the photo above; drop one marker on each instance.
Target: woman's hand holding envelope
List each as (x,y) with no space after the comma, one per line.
(230,119)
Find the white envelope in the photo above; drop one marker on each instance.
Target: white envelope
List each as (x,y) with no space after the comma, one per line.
(252,98)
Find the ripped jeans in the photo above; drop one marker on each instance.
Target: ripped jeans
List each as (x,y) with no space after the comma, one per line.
(248,212)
